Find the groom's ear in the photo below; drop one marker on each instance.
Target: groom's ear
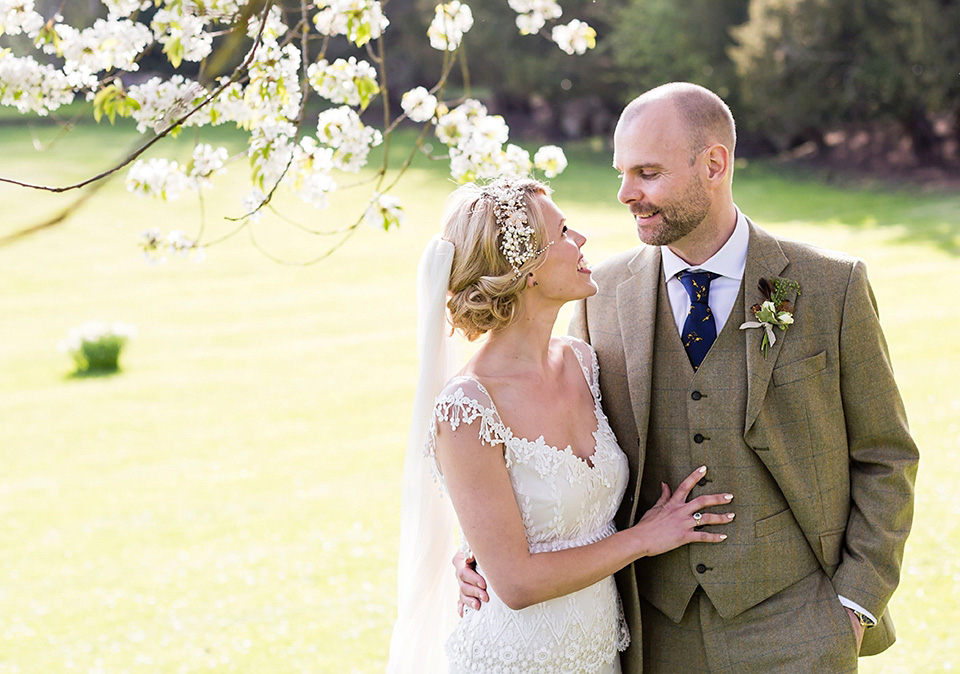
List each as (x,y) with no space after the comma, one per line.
(717,163)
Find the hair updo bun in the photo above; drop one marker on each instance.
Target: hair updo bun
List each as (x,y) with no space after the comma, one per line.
(484,289)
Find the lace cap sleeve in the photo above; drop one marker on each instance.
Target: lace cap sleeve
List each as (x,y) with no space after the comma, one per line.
(588,363)
(464,401)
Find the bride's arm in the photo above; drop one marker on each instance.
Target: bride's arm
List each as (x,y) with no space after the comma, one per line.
(479,487)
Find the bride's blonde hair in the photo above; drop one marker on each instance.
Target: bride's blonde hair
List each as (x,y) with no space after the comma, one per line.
(484,287)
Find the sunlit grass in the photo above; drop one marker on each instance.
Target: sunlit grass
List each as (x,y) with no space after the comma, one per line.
(229,500)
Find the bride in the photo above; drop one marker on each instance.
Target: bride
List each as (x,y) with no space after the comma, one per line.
(521,446)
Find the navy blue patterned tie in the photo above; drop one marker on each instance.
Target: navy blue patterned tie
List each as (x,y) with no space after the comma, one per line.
(700,329)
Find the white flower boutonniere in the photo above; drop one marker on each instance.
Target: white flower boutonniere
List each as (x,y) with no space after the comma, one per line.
(774,311)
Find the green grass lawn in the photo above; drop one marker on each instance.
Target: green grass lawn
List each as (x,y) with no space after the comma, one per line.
(229,501)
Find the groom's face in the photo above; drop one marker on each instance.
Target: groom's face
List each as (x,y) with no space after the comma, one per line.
(658,183)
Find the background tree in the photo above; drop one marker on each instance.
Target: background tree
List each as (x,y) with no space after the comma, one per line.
(657,41)
(807,65)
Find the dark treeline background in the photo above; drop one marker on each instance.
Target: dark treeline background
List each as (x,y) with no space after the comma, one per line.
(878,80)
(878,76)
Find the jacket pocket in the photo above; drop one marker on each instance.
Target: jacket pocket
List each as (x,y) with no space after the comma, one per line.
(800,369)
(773,523)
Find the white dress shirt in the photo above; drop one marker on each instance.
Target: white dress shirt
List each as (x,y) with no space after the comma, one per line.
(729,262)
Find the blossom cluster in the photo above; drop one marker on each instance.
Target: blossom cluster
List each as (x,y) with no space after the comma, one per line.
(166,179)
(384,211)
(345,81)
(575,38)
(478,147)
(266,96)
(450,22)
(533,14)
(156,246)
(359,20)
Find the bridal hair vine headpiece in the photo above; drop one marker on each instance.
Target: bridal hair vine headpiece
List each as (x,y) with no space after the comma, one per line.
(516,235)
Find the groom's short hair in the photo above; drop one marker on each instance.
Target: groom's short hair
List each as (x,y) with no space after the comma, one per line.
(705,116)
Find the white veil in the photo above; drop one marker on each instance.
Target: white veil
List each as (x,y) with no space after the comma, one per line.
(427,593)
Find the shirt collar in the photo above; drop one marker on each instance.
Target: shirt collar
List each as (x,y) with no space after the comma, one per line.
(729,261)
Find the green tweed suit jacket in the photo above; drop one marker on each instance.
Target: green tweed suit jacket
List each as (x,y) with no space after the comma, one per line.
(823,412)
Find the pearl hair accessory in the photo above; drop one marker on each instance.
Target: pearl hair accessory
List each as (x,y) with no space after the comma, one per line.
(516,242)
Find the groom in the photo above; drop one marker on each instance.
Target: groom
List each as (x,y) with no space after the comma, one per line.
(808,432)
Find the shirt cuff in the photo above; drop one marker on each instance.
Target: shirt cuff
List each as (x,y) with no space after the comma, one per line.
(849,603)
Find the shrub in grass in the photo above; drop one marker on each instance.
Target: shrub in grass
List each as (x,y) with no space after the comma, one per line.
(96,346)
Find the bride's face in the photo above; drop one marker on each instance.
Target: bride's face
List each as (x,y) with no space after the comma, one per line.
(564,274)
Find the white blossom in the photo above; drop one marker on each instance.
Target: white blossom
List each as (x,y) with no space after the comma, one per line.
(207,162)
(575,38)
(274,87)
(32,87)
(516,160)
(476,141)
(18,16)
(121,9)
(419,104)
(549,8)
(272,29)
(533,14)
(312,181)
(450,22)
(157,177)
(360,20)
(178,27)
(164,101)
(265,100)
(551,160)
(104,46)
(453,124)
(271,151)
(252,202)
(341,129)
(344,81)
(155,246)
(384,212)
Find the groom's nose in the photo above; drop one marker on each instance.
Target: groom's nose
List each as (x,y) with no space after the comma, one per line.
(629,191)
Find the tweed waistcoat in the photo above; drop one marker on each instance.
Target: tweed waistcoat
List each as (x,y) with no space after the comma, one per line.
(697,419)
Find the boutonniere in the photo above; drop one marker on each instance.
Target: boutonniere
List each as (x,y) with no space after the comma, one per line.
(775,310)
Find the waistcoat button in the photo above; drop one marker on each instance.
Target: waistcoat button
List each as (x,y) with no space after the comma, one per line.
(701,568)
(703,482)
(696,395)
(698,438)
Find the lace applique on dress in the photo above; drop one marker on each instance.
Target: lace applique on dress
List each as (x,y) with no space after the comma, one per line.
(564,502)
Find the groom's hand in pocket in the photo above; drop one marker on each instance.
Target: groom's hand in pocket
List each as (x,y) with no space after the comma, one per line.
(472,584)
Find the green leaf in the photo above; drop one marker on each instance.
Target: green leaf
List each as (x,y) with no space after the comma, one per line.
(367,88)
(48,35)
(111,101)
(174,51)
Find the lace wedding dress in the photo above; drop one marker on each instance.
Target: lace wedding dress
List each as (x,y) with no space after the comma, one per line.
(565,502)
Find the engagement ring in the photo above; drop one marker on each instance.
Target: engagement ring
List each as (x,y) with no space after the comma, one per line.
(696,518)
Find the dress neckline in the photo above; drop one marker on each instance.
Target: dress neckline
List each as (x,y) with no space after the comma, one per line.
(587,461)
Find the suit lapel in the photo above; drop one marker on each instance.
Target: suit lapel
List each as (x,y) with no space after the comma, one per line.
(765,259)
(637,312)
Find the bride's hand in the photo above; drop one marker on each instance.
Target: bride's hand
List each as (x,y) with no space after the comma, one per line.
(472,584)
(671,521)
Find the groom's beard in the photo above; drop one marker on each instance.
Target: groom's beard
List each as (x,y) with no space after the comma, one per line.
(678,217)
